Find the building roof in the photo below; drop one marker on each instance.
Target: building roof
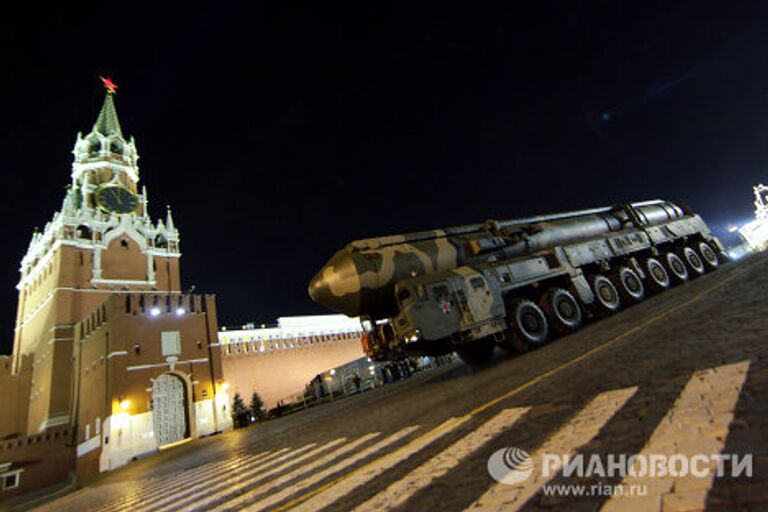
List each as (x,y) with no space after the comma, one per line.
(292,327)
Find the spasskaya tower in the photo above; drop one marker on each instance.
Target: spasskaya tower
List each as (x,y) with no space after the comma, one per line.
(101,242)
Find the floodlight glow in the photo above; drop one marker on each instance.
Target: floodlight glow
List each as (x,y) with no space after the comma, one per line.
(180,311)
(155,311)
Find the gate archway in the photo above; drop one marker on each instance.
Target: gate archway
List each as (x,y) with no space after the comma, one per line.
(169,409)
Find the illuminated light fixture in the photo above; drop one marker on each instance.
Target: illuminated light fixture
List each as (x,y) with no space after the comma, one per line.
(155,311)
(180,311)
(125,404)
(224,386)
(333,371)
(733,229)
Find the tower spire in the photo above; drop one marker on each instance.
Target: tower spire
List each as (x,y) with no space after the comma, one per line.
(169,219)
(107,123)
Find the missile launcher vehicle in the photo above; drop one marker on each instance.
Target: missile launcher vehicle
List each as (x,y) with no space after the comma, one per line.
(513,283)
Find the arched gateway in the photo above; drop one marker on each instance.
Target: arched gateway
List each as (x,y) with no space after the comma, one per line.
(169,409)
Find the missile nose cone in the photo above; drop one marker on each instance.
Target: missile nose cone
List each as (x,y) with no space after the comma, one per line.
(337,285)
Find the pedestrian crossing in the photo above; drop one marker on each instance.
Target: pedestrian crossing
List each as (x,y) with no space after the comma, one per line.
(399,492)
(233,480)
(582,428)
(711,394)
(272,499)
(315,477)
(179,480)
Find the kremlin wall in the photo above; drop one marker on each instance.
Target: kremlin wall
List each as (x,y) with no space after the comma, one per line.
(278,362)
(111,361)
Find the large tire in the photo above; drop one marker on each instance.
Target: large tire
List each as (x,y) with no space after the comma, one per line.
(527,326)
(709,255)
(562,309)
(676,269)
(694,262)
(658,278)
(478,352)
(630,285)
(607,298)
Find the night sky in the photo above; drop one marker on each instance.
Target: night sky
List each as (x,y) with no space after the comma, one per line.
(280,135)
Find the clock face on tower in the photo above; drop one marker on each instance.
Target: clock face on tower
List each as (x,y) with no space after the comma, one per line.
(116,199)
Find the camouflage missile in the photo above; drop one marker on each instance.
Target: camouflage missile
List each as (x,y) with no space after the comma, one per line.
(359,279)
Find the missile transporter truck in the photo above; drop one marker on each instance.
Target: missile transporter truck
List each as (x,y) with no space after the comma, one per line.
(514,283)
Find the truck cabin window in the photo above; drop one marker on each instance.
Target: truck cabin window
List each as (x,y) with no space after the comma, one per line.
(477,282)
(440,293)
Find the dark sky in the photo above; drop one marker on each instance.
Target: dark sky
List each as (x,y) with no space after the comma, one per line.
(280,135)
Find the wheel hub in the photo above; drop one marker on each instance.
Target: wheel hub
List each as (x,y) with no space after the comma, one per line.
(565,308)
(606,293)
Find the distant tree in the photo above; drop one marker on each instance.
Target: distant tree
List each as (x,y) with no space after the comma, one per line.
(257,406)
(239,411)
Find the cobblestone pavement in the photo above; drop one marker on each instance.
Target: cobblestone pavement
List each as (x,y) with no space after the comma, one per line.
(684,372)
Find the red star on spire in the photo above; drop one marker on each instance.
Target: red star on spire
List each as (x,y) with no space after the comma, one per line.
(109,84)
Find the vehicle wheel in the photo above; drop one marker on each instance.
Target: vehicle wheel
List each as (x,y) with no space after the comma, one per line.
(658,279)
(709,255)
(527,326)
(562,309)
(630,286)
(694,262)
(607,297)
(477,353)
(676,268)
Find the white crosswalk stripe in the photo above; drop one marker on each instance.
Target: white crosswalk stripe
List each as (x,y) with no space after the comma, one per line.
(162,484)
(237,502)
(173,496)
(400,491)
(574,434)
(372,470)
(709,398)
(314,479)
(185,479)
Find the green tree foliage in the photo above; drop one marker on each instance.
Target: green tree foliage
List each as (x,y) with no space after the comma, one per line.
(239,411)
(257,406)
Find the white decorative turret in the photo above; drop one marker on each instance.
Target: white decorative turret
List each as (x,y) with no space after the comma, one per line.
(169,219)
(761,201)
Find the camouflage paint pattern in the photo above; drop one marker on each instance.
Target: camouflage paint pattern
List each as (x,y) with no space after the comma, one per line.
(360,279)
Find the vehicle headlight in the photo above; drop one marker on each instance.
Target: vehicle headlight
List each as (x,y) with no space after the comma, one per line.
(412,336)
